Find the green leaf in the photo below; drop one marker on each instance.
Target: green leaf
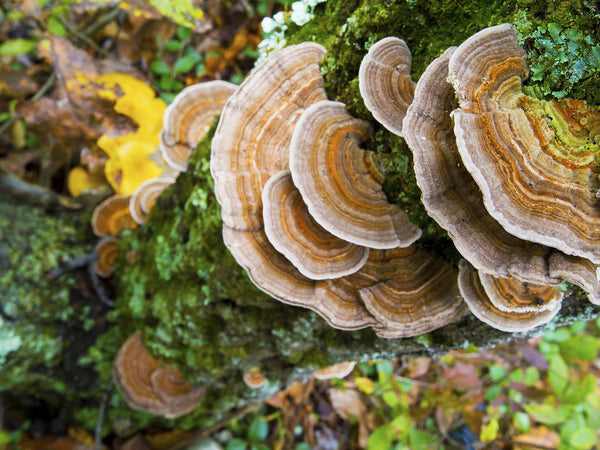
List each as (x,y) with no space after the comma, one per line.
(159,67)
(184,64)
(381,438)
(390,397)
(421,440)
(517,376)
(258,430)
(236,444)
(560,335)
(558,374)
(384,369)
(531,376)
(521,421)
(5,116)
(493,392)
(576,392)
(5,437)
(584,438)
(302,446)
(184,33)
(497,373)
(14,47)
(546,414)
(55,27)
(581,347)
(172,46)
(578,327)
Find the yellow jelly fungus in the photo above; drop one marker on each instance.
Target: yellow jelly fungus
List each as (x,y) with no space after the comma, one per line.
(80,179)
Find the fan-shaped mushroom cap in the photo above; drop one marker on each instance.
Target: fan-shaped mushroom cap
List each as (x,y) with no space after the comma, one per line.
(341,183)
(385,84)
(482,307)
(252,140)
(293,232)
(453,199)
(416,292)
(254,378)
(188,118)
(339,370)
(108,254)
(511,295)
(112,215)
(335,300)
(144,198)
(529,158)
(150,386)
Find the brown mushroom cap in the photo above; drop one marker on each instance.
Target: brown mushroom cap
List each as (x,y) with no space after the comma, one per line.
(416,292)
(150,386)
(293,232)
(108,254)
(529,158)
(511,295)
(112,215)
(337,301)
(254,378)
(188,118)
(144,198)
(341,183)
(252,140)
(340,370)
(482,307)
(453,199)
(385,84)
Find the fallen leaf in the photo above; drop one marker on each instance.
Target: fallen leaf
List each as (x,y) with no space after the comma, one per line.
(538,437)
(461,377)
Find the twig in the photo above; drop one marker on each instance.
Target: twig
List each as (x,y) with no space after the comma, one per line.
(72,264)
(33,194)
(40,93)
(100,420)
(112,14)
(529,444)
(205,432)
(98,288)
(81,36)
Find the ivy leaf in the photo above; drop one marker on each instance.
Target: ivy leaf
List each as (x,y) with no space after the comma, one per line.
(258,430)
(184,64)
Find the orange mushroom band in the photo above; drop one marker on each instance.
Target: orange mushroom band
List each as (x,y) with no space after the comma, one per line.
(384,82)
(489,302)
(107,251)
(535,162)
(341,183)
(188,118)
(150,386)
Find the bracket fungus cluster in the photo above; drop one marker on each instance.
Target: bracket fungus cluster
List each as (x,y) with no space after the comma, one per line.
(511,178)
(304,212)
(150,386)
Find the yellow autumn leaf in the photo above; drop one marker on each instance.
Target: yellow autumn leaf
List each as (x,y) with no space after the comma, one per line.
(364,384)
(489,432)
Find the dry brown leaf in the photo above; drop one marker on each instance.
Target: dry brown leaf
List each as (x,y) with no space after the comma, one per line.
(538,437)
(347,403)
(418,367)
(461,377)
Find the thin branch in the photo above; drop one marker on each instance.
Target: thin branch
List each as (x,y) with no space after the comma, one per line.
(33,194)
(100,420)
(81,36)
(204,433)
(98,288)
(72,264)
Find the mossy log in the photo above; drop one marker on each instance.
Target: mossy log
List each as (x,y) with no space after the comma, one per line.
(177,282)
